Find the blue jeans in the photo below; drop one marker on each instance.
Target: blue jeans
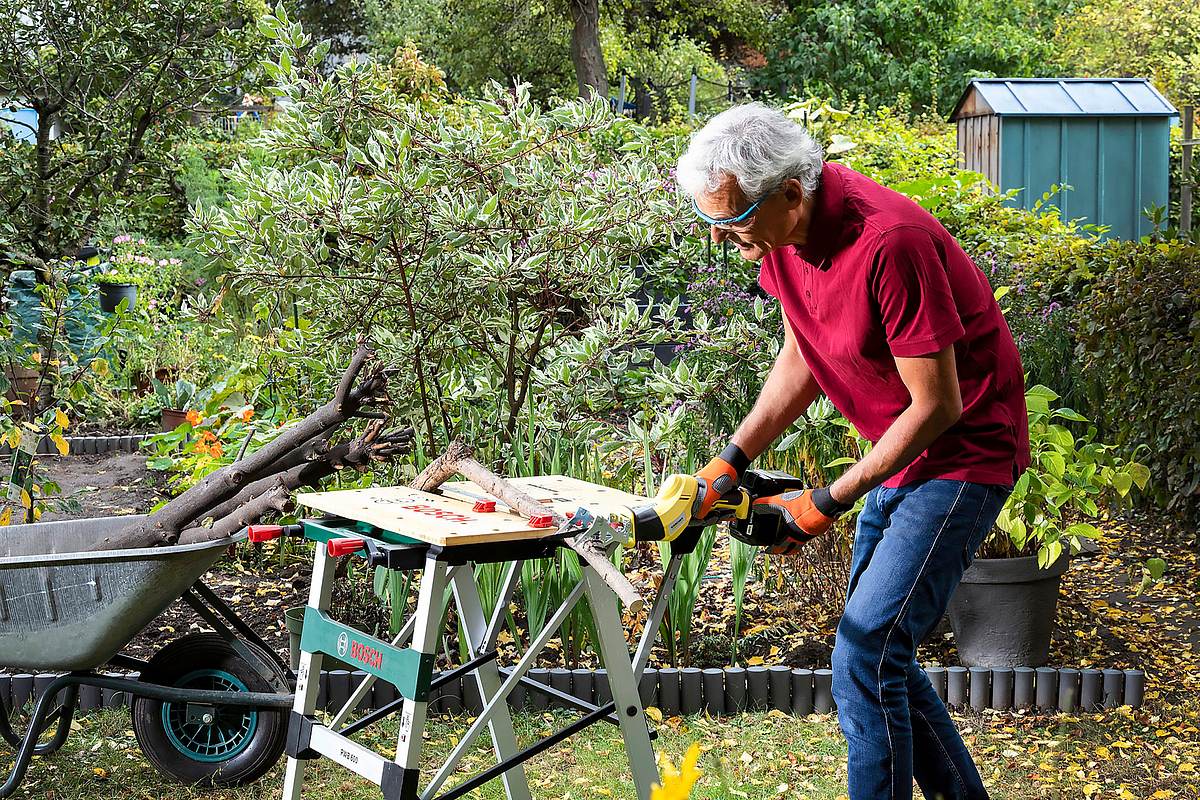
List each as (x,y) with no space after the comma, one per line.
(911,548)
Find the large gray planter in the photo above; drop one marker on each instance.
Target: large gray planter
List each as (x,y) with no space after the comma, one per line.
(1003,611)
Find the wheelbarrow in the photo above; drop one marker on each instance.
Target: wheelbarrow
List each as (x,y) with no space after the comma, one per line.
(207,708)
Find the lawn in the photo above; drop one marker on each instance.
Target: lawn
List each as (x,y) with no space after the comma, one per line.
(1143,753)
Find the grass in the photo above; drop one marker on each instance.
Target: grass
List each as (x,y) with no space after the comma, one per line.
(1122,754)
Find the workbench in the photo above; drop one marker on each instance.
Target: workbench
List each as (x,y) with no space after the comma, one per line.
(444,536)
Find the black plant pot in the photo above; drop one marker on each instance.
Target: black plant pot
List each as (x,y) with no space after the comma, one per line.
(1003,611)
(111,295)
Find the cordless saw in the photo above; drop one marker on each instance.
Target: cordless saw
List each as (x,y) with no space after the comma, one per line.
(674,507)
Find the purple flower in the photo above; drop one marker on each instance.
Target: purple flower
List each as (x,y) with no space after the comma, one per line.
(200,281)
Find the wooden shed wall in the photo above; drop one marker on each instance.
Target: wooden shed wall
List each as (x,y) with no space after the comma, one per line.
(979,142)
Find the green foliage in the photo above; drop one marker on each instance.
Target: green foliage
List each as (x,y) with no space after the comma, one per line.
(107,81)
(1069,476)
(676,631)
(483,246)
(478,41)
(664,63)
(1156,39)
(1138,328)
(917,55)
(741,559)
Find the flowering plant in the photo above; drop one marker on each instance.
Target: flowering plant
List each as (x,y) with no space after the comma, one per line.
(205,442)
(131,261)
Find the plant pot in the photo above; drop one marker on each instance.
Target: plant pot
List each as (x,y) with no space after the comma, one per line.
(294,619)
(172,418)
(1003,611)
(22,383)
(111,295)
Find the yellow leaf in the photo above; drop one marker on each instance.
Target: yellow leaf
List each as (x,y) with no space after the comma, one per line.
(1102,752)
(100,367)
(755,662)
(26,500)
(100,772)
(14,438)
(61,419)
(1187,766)
(6,516)
(60,443)
(654,714)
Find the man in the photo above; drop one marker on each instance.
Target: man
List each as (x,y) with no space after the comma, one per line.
(889,318)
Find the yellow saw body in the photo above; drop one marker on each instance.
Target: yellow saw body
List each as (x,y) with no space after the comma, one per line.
(674,507)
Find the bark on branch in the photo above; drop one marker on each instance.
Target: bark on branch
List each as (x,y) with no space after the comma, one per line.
(301,455)
(459,460)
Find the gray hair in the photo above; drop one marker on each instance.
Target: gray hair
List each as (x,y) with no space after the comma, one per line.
(761,147)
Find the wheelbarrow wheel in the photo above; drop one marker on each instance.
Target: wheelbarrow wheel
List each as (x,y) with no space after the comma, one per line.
(215,746)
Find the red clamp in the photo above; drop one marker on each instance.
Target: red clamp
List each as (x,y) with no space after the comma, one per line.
(484,506)
(541,521)
(264,533)
(344,546)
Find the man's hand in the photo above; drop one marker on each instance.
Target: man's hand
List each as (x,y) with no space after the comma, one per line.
(719,477)
(806,515)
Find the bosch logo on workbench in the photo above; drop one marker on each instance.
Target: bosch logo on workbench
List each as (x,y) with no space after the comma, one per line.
(367,655)
(434,511)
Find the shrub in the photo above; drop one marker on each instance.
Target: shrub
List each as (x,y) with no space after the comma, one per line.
(486,246)
(1138,328)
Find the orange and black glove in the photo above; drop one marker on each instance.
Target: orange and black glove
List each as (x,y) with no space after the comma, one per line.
(719,477)
(806,515)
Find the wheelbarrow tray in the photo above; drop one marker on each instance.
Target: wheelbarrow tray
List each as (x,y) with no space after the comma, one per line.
(65,607)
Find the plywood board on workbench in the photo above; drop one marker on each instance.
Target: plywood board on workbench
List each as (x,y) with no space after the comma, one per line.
(450,520)
(562,493)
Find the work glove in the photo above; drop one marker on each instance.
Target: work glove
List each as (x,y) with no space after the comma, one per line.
(718,477)
(806,515)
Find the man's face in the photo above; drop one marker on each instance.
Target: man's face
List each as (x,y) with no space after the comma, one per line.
(768,227)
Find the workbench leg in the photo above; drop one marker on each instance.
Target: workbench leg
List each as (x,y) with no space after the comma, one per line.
(487,678)
(614,652)
(424,641)
(308,676)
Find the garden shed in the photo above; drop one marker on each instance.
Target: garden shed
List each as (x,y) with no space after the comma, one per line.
(1105,138)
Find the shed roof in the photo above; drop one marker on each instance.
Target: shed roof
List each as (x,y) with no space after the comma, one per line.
(1062,97)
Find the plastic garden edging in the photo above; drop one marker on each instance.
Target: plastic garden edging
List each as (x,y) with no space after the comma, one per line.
(717,692)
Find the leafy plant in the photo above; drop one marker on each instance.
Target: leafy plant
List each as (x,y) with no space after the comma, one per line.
(107,103)
(741,559)
(1137,329)
(1068,475)
(483,245)
(677,623)
(177,395)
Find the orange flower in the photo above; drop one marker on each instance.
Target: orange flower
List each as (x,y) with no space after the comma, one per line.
(207,436)
(193,418)
(248,413)
(215,450)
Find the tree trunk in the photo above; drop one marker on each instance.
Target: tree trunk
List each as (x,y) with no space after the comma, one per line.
(585,47)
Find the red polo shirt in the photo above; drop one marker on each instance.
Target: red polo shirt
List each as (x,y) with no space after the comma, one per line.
(881,278)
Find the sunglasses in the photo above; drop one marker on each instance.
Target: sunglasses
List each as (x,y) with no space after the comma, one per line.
(729,222)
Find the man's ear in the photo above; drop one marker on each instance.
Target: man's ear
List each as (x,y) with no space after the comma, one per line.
(793,192)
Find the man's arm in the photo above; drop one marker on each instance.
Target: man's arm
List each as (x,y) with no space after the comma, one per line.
(789,389)
(932,382)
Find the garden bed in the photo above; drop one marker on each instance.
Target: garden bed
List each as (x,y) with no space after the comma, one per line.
(1101,623)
